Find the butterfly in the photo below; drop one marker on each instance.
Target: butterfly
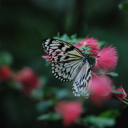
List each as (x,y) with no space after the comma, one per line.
(68,61)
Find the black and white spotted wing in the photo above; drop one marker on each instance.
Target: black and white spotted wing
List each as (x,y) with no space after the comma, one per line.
(82,81)
(67,62)
(61,51)
(66,71)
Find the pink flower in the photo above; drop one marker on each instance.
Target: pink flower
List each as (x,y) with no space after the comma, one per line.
(47,58)
(122,95)
(106,58)
(5,73)
(100,88)
(50,58)
(91,42)
(28,79)
(70,111)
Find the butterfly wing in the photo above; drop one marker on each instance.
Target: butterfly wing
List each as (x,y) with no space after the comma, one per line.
(61,51)
(66,71)
(82,81)
(67,62)
(66,59)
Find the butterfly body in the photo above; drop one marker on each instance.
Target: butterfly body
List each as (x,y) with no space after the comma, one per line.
(67,62)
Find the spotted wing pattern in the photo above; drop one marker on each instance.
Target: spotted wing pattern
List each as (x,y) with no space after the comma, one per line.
(61,50)
(66,71)
(67,61)
(82,81)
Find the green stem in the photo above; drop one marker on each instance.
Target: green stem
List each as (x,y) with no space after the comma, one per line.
(125,101)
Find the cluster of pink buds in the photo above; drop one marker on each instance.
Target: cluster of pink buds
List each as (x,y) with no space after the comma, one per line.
(106,60)
(101,87)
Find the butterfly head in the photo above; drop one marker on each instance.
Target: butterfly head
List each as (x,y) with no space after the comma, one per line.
(85,57)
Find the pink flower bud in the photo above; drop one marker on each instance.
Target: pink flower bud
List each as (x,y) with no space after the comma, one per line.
(92,42)
(106,58)
(28,79)
(46,57)
(100,88)
(5,73)
(122,95)
(70,111)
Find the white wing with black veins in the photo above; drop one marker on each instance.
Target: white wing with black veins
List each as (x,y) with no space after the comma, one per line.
(82,81)
(66,71)
(67,61)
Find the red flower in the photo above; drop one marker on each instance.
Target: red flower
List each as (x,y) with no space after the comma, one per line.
(70,111)
(106,59)
(5,73)
(122,95)
(28,78)
(91,42)
(100,88)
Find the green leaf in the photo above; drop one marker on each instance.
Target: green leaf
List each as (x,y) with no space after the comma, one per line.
(113,113)
(70,39)
(58,93)
(74,36)
(85,49)
(37,94)
(50,117)
(82,48)
(123,6)
(88,48)
(98,122)
(87,45)
(64,37)
(43,117)
(114,74)
(61,93)
(44,80)
(87,52)
(115,91)
(58,34)
(47,63)
(15,85)
(44,105)
(6,58)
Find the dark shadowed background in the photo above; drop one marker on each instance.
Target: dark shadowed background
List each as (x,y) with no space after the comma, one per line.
(23,26)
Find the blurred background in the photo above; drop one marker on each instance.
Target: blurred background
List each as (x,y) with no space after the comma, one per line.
(23,26)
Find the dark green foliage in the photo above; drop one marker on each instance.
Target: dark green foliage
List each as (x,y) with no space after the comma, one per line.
(6,58)
(23,26)
(123,6)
